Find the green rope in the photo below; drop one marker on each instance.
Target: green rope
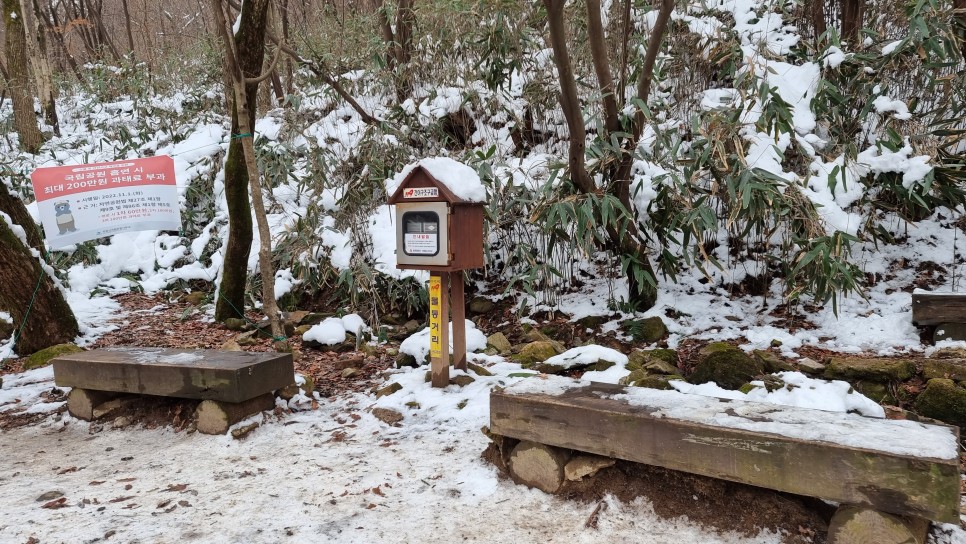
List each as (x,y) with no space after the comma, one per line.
(239,136)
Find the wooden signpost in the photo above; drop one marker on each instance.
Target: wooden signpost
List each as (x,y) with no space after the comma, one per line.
(442,233)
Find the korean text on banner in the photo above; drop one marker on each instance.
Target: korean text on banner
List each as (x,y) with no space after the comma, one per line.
(435,319)
(83,202)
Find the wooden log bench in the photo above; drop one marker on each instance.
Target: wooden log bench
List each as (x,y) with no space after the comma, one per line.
(231,384)
(944,311)
(888,476)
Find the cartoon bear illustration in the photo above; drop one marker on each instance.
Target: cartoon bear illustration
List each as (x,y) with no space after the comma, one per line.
(65,219)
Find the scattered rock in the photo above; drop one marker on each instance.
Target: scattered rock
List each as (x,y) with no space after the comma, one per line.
(643,378)
(655,361)
(406,360)
(954,369)
(856,368)
(810,366)
(592,321)
(949,353)
(236,324)
(772,362)
(536,352)
(293,318)
(462,380)
(42,357)
(314,318)
(499,342)
(247,338)
(538,465)
(647,330)
(49,496)
(585,465)
(243,431)
(481,305)
(289,392)
(348,361)
(231,345)
(389,389)
(725,365)
(387,416)
(121,422)
(478,369)
(878,392)
(943,400)
(195,299)
(348,373)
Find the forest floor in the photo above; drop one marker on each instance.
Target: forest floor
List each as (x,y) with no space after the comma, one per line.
(330,471)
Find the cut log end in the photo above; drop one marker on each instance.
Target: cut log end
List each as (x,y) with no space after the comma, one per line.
(537,465)
(215,417)
(82,403)
(858,525)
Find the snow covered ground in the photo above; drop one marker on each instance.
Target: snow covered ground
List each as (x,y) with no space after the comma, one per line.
(331,474)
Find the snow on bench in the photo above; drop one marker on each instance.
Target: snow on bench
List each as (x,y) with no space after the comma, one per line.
(897,466)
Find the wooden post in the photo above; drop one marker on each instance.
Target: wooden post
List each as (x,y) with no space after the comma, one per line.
(439,327)
(459,321)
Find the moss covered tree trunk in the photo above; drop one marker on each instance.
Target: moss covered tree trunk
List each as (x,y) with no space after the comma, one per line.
(24,118)
(27,290)
(250,44)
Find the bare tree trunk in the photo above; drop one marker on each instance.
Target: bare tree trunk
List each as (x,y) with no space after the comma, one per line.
(127,27)
(852,12)
(629,241)
(24,118)
(959,11)
(40,64)
(28,292)
(50,22)
(819,24)
(399,44)
(244,89)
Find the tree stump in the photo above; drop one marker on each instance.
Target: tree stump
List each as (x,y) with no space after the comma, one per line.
(537,465)
(861,525)
(82,402)
(215,417)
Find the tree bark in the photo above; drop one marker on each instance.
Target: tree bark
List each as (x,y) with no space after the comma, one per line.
(28,293)
(245,86)
(127,27)
(24,118)
(629,241)
(40,64)
(852,13)
(959,12)
(819,24)
(250,45)
(399,45)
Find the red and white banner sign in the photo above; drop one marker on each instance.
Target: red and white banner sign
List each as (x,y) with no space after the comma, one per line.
(83,202)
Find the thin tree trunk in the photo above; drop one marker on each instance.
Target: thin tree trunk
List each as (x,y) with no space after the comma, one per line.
(959,12)
(24,118)
(127,27)
(40,64)
(50,22)
(852,11)
(244,88)
(598,51)
(28,293)
(819,24)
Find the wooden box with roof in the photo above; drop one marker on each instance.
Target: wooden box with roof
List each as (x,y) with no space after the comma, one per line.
(439,216)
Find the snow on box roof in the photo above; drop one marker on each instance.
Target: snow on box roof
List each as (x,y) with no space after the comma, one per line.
(461,180)
(900,437)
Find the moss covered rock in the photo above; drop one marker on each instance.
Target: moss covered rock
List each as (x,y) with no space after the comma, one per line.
(498,341)
(943,400)
(771,361)
(647,330)
(406,360)
(954,369)
(536,352)
(881,370)
(43,357)
(878,392)
(656,361)
(726,365)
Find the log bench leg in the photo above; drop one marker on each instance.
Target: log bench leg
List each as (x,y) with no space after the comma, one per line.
(861,525)
(215,417)
(81,403)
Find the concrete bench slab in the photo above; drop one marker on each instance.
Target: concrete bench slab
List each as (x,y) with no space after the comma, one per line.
(900,467)
(227,376)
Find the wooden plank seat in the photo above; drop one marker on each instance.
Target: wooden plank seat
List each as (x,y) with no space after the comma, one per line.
(232,384)
(899,467)
(930,308)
